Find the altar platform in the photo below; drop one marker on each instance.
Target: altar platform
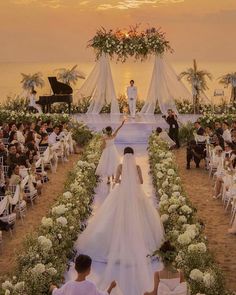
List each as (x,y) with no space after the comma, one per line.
(135,131)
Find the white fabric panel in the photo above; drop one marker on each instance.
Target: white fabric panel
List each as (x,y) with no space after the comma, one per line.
(100,86)
(164,88)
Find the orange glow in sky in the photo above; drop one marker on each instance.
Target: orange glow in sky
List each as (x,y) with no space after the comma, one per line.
(58,30)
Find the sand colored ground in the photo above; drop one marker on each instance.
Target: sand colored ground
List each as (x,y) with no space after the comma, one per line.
(50,192)
(200,191)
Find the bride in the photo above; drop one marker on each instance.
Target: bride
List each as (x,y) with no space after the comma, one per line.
(125,230)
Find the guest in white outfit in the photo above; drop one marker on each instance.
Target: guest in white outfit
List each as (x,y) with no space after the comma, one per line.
(169,280)
(32,102)
(53,137)
(132,94)
(226,134)
(110,158)
(81,286)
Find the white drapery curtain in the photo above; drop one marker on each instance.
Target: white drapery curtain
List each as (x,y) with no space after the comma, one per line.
(164,88)
(100,86)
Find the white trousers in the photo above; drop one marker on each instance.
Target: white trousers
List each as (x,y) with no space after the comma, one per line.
(132,107)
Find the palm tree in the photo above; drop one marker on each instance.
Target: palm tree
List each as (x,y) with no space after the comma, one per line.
(197,79)
(69,76)
(29,82)
(230,79)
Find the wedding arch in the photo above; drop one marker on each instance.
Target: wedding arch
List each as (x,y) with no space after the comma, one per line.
(132,43)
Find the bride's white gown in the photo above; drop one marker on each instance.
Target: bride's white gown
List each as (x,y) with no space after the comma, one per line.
(125,230)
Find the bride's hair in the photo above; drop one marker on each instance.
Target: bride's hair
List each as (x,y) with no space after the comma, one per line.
(108,130)
(128,150)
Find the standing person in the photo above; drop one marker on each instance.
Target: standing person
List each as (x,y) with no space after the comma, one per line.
(110,159)
(81,286)
(32,102)
(132,94)
(226,134)
(172,121)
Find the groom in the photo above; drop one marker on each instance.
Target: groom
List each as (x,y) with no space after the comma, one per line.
(132,96)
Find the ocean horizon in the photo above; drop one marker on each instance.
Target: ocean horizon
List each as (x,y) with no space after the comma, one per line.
(140,72)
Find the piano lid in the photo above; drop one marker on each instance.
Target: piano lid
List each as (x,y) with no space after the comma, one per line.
(58,87)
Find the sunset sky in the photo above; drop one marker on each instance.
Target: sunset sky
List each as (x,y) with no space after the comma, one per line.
(58,30)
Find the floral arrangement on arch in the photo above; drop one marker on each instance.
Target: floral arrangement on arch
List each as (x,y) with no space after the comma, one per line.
(130,43)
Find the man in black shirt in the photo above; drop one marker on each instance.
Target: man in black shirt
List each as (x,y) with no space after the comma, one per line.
(171,120)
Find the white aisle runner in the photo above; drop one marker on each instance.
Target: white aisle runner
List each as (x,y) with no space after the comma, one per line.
(100,275)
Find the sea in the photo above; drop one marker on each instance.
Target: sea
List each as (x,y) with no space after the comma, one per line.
(140,72)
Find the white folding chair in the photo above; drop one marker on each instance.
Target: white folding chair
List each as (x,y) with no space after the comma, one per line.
(20,204)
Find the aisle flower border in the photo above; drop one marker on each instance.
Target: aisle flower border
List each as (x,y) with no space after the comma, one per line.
(182,226)
(46,252)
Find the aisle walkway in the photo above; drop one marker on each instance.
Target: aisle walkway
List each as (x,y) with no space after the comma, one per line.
(98,269)
(200,190)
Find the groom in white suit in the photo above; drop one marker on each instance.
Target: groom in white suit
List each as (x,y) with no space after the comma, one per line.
(132,94)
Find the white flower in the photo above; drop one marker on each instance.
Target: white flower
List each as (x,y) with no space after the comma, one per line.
(52,271)
(164,217)
(45,243)
(200,247)
(38,269)
(164,197)
(184,239)
(175,187)
(182,219)
(19,286)
(196,275)
(7,292)
(47,222)
(208,280)
(171,172)
(67,195)
(62,221)
(165,184)
(172,208)
(186,209)
(59,210)
(159,175)
(7,285)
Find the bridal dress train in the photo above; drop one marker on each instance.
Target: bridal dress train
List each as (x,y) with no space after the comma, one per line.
(123,233)
(109,160)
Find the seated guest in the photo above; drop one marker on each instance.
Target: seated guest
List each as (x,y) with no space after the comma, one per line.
(169,280)
(226,165)
(38,125)
(13,156)
(209,134)
(195,152)
(226,134)
(218,128)
(13,137)
(49,127)
(6,130)
(53,137)
(14,174)
(20,133)
(165,137)
(218,140)
(12,127)
(30,142)
(233,127)
(44,140)
(3,152)
(198,128)
(81,286)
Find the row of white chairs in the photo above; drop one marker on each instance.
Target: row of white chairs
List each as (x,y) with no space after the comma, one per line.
(228,190)
(13,205)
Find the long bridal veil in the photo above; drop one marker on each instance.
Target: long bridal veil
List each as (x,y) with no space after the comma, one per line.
(124,231)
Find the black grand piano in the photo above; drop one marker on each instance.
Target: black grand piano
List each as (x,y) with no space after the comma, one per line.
(61,93)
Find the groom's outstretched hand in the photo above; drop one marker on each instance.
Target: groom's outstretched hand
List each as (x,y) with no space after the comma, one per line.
(112,286)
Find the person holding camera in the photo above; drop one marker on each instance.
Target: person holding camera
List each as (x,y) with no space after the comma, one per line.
(172,121)
(195,152)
